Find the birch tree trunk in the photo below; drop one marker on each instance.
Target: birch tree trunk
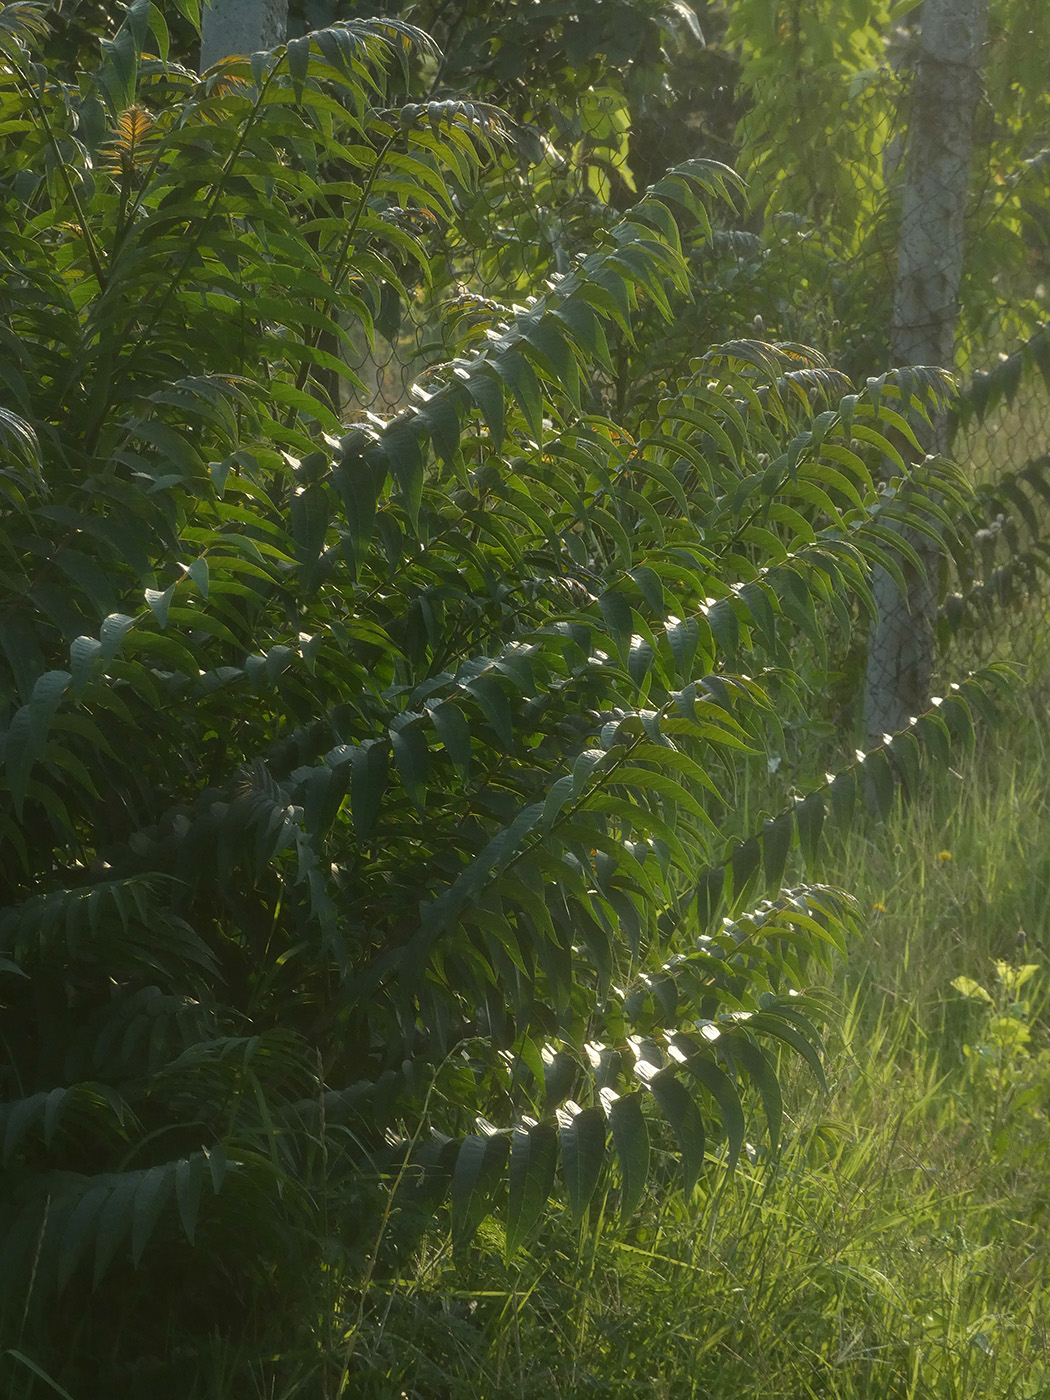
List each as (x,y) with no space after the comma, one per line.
(945,92)
(241,27)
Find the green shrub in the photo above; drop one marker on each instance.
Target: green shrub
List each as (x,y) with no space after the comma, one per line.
(369,783)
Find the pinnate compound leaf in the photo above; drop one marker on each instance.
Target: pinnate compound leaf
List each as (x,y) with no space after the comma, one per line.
(500,908)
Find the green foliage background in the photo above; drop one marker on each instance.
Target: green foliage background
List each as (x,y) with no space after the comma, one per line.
(374,839)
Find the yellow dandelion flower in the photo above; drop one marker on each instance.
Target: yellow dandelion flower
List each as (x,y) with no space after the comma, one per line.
(944,855)
(878,908)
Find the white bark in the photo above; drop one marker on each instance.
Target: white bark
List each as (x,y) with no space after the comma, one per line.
(241,27)
(945,93)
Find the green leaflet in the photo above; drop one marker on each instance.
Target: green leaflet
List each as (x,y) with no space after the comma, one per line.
(630,1137)
(684,637)
(782,1029)
(159,603)
(441,418)
(454,732)
(684,1117)
(404,457)
(367,785)
(487,392)
(761,1069)
(412,759)
(776,843)
(618,615)
(722,620)
(878,781)
(809,818)
(310,515)
(555,353)
(582,1136)
(533,1158)
(744,864)
(519,376)
(559,1076)
(721,1088)
(26,737)
(843,790)
(479,1165)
